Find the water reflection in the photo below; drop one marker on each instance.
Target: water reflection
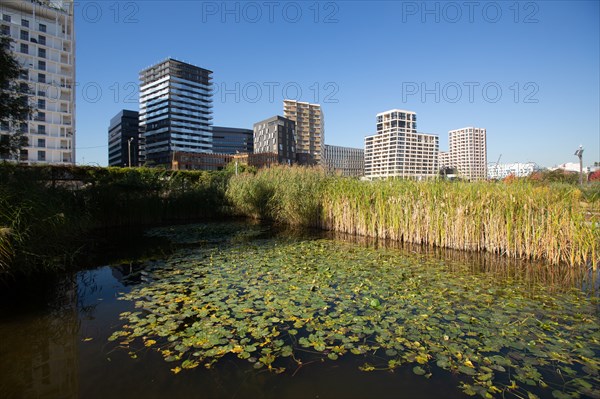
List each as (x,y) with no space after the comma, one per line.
(53,343)
(39,349)
(531,273)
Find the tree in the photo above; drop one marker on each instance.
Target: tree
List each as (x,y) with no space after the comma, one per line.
(14,102)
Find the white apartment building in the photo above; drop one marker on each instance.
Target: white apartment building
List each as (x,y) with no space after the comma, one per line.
(44,44)
(397,150)
(310,129)
(346,161)
(468,152)
(517,169)
(444,159)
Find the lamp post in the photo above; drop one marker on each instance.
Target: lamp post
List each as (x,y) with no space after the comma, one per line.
(129,149)
(579,153)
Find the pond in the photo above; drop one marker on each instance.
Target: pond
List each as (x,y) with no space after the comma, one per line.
(240,310)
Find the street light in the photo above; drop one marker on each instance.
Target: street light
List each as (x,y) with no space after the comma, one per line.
(129,149)
(579,153)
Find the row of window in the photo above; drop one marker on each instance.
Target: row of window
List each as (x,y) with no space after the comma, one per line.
(24,22)
(24,48)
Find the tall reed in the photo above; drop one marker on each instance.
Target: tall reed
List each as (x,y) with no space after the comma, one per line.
(521,219)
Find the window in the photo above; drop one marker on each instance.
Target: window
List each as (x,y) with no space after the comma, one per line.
(41,116)
(24,74)
(6,30)
(25,23)
(41,129)
(41,104)
(42,52)
(24,35)
(41,155)
(42,65)
(23,128)
(42,39)
(41,143)
(42,28)
(24,48)
(23,87)
(42,77)
(6,17)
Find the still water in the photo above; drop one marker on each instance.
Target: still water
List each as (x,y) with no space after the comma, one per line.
(237,310)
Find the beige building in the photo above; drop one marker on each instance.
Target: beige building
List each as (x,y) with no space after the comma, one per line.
(444,159)
(468,152)
(44,44)
(398,150)
(345,161)
(310,130)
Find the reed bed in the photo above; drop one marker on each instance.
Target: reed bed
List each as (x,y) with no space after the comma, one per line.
(521,220)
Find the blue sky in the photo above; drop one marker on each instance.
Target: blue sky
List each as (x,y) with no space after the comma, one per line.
(529,72)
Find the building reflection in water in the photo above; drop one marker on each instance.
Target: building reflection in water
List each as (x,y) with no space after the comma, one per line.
(39,349)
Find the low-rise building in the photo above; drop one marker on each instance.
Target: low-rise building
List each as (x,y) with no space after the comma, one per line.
(517,169)
(346,161)
(232,140)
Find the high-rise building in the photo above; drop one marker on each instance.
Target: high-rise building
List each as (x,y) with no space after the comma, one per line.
(276,135)
(232,140)
(310,129)
(468,152)
(397,150)
(175,111)
(123,139)
(346,161)
(43,36)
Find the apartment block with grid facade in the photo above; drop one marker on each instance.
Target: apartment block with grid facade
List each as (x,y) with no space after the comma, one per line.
(468,152)
(175,111)
(310,130)
(276,135)
(43,35)
(398,150)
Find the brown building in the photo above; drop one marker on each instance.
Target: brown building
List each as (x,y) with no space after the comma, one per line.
(205,161)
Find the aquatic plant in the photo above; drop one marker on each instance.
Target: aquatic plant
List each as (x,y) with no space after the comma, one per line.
(281,303)
(556,223)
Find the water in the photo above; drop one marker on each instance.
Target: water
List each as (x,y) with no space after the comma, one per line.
(56,338)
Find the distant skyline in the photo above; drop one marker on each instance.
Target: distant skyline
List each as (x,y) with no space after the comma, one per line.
(525,71)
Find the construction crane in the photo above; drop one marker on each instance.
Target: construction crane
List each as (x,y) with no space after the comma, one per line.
(498,167)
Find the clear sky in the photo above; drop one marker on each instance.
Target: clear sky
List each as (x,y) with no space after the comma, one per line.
(527,71)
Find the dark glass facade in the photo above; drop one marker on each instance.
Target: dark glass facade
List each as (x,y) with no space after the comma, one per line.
(123,127)
(231,140)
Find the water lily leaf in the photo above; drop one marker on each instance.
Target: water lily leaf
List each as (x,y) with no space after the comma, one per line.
(418,370)
(189,364)
(268,299)
(560,395)
(467,370)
